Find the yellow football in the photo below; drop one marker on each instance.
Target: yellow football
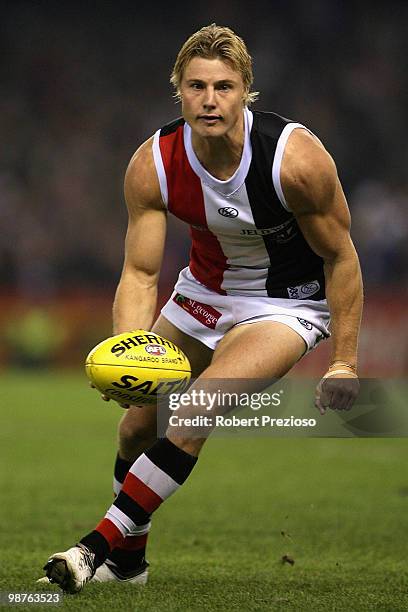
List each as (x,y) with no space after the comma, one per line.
(137,367)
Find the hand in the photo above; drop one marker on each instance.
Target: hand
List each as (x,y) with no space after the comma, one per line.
(337,389)
(107,399)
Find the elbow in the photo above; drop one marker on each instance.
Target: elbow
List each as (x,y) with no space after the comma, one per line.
(346,253)
(144,279)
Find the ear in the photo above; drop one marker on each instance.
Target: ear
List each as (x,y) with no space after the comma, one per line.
(177,96)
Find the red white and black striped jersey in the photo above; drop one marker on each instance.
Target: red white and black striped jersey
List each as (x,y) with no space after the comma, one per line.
(245,240)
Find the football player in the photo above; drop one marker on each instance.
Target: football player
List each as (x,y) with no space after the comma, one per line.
(272,262)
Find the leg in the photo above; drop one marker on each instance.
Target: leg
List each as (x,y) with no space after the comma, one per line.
(136,433)
(160,471)
(137,428)
(278,348)
(164,467)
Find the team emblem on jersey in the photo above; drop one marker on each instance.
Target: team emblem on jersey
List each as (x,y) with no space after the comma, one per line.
(301,292)
(228,211)
(285,232)
(310,288)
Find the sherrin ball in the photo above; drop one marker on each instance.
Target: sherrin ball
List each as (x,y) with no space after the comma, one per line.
(138,367)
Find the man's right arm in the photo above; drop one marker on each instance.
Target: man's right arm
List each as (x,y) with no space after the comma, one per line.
(136,295)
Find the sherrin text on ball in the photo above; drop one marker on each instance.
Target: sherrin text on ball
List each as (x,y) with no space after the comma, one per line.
(137,367)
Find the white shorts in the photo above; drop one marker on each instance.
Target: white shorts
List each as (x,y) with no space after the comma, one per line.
(208,316)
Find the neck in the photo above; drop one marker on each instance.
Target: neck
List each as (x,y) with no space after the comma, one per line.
(221,156)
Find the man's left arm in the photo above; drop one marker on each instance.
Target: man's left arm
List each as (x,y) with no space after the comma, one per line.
(314,194)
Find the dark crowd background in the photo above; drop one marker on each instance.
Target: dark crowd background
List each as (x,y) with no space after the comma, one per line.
(83,84)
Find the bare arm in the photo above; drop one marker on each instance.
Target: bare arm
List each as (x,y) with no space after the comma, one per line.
(314,194)
(136,295)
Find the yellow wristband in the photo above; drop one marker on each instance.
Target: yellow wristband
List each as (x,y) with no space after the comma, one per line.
(339,371)
(335,364)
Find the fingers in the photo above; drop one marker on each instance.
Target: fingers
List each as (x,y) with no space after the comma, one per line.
(322,400)
(336,393)
(104,397)
(107,399)
(352,394)
(346,391)
(350,403)
(317,402)
(340,401)
(318,405)
(321,409)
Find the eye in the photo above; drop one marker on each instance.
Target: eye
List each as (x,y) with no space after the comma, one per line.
(196,86)
(224,87)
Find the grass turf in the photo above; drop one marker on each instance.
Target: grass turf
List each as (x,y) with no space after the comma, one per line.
(338,508)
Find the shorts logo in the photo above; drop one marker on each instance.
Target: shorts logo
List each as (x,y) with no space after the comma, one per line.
(305,323)
(228,211)
(207,315)
(301,292)
(155,349)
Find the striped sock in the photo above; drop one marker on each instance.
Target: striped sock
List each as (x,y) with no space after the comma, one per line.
(131,553)
(153,477)
(120,472)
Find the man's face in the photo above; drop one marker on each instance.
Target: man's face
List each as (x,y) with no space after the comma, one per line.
(212,96)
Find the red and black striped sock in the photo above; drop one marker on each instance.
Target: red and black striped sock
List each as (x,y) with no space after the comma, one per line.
(153,477)
(130,554)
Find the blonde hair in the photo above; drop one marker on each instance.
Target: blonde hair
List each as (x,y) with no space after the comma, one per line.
(212,42)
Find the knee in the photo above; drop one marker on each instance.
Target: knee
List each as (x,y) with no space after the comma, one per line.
(130,432)
(190,445)
(134,433)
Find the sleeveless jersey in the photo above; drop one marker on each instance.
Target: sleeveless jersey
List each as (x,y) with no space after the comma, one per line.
(245,240)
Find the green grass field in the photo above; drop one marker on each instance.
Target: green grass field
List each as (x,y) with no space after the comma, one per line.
(339,508)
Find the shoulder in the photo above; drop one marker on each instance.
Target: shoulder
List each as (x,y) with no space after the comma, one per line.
(308,173)
(141,184)
(172,127)
(269,124)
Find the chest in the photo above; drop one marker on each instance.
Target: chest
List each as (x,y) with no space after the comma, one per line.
(236,217)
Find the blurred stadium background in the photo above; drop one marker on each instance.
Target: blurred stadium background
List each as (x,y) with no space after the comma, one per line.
(83,84)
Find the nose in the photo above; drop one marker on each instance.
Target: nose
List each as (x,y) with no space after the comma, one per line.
(209,99)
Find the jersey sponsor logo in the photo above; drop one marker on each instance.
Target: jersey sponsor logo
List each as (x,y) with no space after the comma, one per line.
(228,211)
(207,315)
(280,233)
(305,323)
(301,292)
(155,349)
